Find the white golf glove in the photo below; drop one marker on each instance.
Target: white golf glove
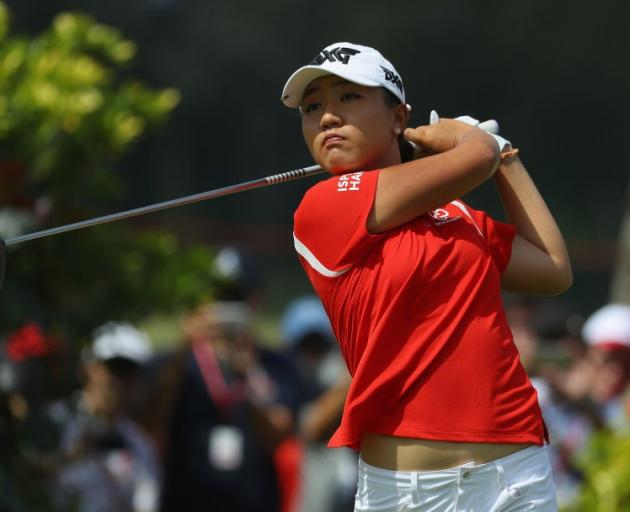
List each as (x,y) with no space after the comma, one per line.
(490,126)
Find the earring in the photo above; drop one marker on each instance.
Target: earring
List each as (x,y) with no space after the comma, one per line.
(397,131)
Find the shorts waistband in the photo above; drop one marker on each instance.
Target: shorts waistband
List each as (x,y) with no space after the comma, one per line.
(502,482)
(515,458)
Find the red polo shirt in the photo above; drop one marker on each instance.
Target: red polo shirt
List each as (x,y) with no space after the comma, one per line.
(417,311)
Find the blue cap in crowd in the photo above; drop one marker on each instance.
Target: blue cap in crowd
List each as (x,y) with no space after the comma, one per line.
(304,316)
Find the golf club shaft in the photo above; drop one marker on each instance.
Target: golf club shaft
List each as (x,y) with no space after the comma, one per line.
(195,198)
(490,126)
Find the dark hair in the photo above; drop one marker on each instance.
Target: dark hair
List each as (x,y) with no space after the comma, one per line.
(404,146)
(391,100)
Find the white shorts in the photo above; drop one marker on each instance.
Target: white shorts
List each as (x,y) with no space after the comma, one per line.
(520,481)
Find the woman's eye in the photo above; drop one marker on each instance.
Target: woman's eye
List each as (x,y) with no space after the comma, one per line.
(310,107)
(349,96)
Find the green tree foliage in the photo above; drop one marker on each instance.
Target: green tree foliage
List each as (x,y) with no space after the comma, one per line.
(607,474)
(68,113)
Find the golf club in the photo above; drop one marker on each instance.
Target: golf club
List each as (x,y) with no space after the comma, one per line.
(491,126)
(195,198)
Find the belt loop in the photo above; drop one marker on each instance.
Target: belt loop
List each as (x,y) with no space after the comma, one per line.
(500,475)
(459,488)
(415,490)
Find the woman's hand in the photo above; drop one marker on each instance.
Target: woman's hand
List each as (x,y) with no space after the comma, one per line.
(461,158)
(438,137)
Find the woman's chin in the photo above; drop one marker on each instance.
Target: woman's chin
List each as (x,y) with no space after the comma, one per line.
(340,165)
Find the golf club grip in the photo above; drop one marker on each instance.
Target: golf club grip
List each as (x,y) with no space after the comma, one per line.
(283,177)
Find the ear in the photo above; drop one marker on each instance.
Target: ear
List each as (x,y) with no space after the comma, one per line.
(401,119)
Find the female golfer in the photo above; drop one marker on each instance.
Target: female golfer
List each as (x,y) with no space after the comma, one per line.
(440,408)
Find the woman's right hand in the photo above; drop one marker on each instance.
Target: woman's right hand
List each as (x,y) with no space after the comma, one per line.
(438,137)
(460,158)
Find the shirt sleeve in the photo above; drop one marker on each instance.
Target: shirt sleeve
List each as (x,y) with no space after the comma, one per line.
(498,235)
(330,230)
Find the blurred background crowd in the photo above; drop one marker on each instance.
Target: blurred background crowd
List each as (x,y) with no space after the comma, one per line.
(226,419)
(178,361)
(218,421)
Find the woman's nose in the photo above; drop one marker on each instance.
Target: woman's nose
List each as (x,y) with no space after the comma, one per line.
(329,120)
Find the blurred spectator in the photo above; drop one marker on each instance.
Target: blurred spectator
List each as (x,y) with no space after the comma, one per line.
(222,403)
(521,316)
(587,398)
(559,329)
(33,380)
(237,277)
(107,461)
(328,477)
(549,351)
(607,331)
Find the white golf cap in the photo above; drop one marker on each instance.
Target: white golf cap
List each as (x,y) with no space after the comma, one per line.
(609,326)
(120,340)
(356,63)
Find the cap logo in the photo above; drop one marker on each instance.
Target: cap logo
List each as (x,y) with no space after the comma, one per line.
(390,76)
(339,54)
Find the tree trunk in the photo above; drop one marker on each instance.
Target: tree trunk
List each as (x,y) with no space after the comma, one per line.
(620,286)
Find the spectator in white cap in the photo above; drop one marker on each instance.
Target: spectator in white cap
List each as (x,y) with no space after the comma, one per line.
(609,326)
(121,340)
(111,366)
(607,332)
(108,461)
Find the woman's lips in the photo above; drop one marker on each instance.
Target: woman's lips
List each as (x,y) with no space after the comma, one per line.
(332,139)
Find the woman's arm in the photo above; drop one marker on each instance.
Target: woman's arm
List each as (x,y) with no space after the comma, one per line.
(540,262)
(466,157)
